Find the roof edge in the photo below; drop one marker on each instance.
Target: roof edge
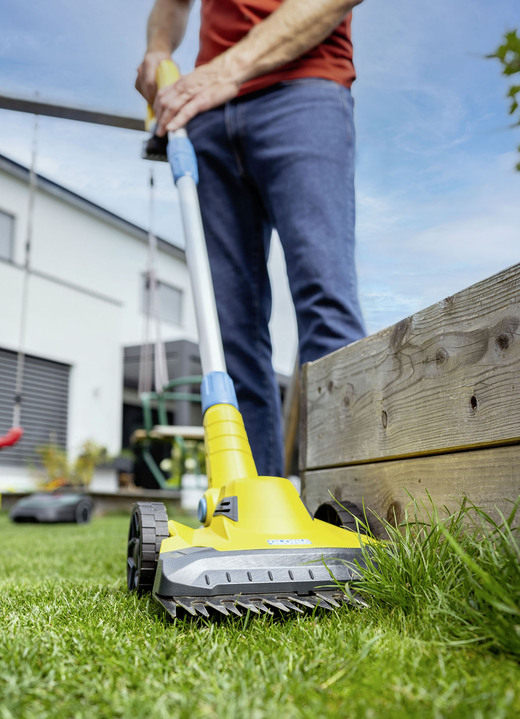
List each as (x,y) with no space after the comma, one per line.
(22,172)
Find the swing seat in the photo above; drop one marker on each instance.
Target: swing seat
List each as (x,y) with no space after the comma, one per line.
(11,437)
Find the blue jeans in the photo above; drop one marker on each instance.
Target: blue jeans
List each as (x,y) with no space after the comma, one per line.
(281,158)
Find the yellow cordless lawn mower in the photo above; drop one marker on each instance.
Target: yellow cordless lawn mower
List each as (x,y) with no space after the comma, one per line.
(257,548)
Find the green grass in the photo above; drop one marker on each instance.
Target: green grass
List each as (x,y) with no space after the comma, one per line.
(73,643)
(457,574)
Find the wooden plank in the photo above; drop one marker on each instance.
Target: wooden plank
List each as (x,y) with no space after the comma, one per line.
(489,478)
(168,432)
(443,379)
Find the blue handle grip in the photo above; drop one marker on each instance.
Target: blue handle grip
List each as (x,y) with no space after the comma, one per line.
(181,156)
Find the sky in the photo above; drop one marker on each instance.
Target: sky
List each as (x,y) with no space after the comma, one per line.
(438,197)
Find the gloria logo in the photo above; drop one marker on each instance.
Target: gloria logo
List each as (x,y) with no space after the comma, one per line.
(280,542)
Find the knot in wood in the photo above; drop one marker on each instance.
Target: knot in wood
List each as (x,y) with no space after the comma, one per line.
(348,396)
(505,332)
(503,340)
(393,514)
(399,334)
(441,356)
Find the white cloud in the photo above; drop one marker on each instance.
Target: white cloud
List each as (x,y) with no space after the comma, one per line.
(413,253)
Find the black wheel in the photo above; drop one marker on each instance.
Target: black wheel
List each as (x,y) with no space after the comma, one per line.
(83,511)
(148,527)
(342,514)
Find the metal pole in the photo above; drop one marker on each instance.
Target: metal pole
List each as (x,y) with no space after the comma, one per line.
(210,340)
(25,283)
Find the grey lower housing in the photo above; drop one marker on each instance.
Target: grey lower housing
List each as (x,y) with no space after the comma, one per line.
(199,577)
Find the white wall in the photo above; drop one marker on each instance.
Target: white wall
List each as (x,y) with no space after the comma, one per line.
(105,259)
(84,302)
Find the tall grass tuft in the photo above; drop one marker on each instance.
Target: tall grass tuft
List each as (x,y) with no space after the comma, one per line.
(457,573)
(489,610)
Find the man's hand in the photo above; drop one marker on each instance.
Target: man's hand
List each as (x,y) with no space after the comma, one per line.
(206,87)
(146,82)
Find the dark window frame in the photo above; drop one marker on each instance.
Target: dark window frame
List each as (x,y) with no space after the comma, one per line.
(163,313)
(10,240)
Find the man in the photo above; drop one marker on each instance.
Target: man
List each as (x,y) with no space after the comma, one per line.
(269,111)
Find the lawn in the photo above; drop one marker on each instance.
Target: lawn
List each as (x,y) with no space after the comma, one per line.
(74,643)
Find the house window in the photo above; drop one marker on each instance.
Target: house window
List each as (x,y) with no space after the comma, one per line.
(167,303)
(6,236)
(45,401)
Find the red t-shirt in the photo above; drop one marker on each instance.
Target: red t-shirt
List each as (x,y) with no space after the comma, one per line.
(225,22)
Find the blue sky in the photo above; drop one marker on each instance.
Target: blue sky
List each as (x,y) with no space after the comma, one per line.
(437,195)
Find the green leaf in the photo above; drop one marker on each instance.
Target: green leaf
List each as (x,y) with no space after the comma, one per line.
(508,53)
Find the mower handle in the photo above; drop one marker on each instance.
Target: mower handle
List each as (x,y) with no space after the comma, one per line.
(167,73)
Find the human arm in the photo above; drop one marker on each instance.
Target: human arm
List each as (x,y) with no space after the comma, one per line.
(295,27)
(165,29)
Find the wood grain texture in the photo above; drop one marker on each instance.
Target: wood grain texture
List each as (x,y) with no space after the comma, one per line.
(489,478)
(443,379)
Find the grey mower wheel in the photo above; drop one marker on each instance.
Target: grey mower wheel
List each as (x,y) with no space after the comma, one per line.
(148,527)
(342,514)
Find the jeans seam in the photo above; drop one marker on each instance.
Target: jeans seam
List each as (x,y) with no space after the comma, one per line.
(350,138)
(258,258)
(260,266)
(230,131)
(349,123)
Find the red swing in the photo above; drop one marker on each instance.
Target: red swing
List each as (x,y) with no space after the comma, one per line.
(11,437)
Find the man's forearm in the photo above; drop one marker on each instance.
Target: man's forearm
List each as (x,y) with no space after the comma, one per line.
(289,32)
(167,24)
(166,27)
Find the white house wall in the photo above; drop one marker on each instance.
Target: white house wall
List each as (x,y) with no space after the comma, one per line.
(84,302)
(106,260)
